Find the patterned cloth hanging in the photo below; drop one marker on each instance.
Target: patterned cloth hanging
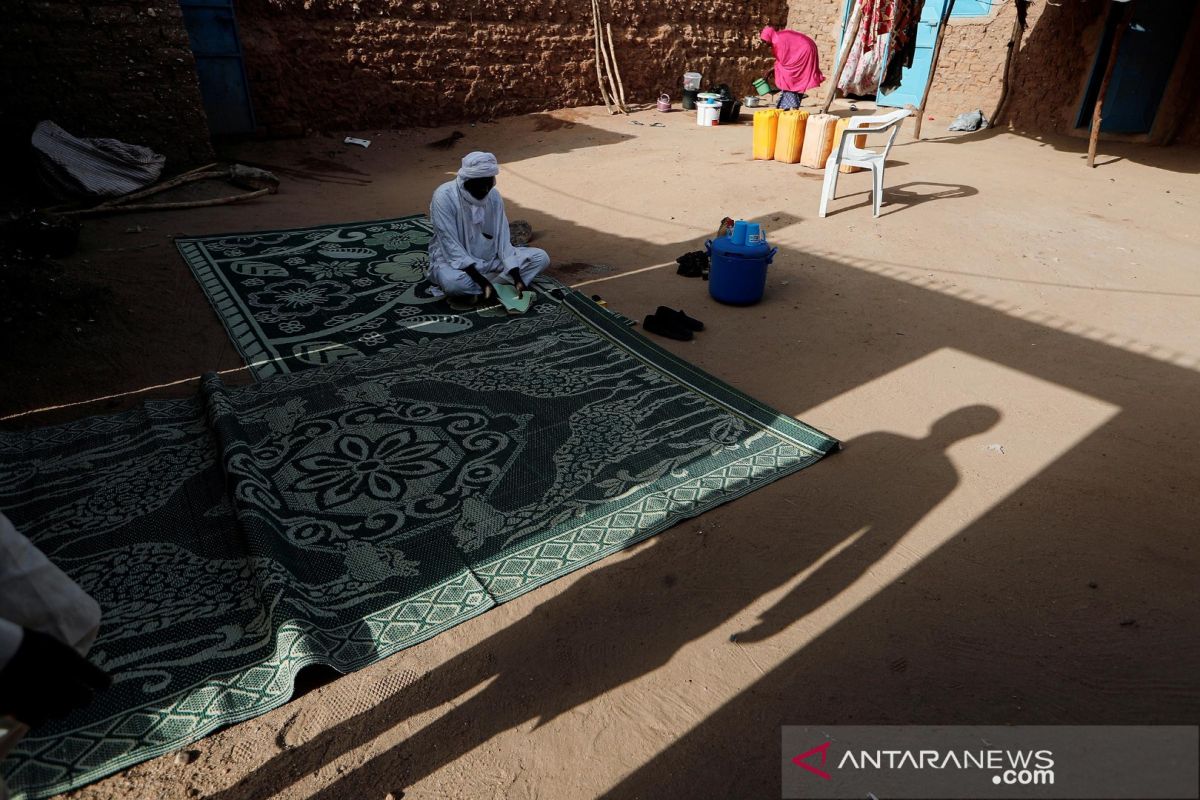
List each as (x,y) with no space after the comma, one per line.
(888,29)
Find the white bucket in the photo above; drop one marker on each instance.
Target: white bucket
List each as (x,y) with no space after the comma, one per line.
(708,113)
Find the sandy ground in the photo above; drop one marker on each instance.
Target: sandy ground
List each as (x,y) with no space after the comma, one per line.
(1011,353)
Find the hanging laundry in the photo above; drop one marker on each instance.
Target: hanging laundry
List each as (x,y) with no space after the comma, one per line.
(902,45)
(886,38)
(861,75)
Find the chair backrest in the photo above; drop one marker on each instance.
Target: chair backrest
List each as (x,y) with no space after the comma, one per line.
(879,123)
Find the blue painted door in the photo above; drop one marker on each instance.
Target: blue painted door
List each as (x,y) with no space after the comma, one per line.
(1145,61)
(915,79)
(212,31)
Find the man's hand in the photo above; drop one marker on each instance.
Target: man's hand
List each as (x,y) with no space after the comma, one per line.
(46,679)
(483,283)
(515,274)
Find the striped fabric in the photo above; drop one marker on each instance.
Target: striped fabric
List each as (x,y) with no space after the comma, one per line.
(93,167)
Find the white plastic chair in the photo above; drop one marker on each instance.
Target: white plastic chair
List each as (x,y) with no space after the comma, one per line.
(847,153)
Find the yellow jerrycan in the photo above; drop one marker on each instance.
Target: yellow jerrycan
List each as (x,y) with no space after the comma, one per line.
(790,138)
(766,127)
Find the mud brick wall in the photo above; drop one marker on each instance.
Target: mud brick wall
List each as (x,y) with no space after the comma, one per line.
(971,67)
(335,64)
(120,69)
(1053,64)
(1188,131)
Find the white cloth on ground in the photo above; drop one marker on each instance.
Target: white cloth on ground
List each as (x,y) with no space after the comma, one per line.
(38,595)
(459,241)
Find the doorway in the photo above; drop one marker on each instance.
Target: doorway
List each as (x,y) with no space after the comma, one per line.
(1145,61)
(212,31)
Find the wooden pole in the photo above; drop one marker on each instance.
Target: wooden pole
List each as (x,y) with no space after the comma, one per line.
(218,201)
(937,52)
(616,67)
(1014,41)
(852,28)
(596,42)
(1098,112)
(178,180)
(608,67)
(67,209)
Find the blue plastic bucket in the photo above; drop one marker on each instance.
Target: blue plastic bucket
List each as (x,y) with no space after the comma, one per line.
(737,273)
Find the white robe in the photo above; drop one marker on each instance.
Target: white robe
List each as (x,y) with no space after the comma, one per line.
(469,232)
(37,595)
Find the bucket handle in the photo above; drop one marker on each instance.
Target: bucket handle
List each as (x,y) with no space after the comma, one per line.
(770,255)
(665,96)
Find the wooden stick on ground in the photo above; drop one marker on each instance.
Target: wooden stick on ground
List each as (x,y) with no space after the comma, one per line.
(599,58)
(1097,112)
(937,52)
(844,53)
(616,67)
(185,177)
(216,201)
(178,180)
(205,168)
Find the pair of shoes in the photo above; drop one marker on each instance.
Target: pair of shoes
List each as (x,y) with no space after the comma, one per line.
(693,264)
(672,324)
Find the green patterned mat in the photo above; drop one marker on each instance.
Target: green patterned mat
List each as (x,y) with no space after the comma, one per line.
(307,297)
(340,514)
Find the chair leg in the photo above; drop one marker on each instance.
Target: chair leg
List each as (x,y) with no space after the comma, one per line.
(828,187)
(876,187)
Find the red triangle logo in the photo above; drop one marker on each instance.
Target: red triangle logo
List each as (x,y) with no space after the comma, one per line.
(823,749)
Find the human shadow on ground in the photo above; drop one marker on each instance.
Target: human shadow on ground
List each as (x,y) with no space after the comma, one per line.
(619,623)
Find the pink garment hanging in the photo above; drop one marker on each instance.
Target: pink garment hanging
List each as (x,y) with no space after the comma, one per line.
(797,63)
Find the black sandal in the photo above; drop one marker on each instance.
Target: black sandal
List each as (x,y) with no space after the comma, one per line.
(662,327)
(679,319)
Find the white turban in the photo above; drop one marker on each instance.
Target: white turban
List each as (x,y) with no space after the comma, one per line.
(478,165)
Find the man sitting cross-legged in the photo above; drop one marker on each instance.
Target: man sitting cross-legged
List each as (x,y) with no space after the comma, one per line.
(471,249)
